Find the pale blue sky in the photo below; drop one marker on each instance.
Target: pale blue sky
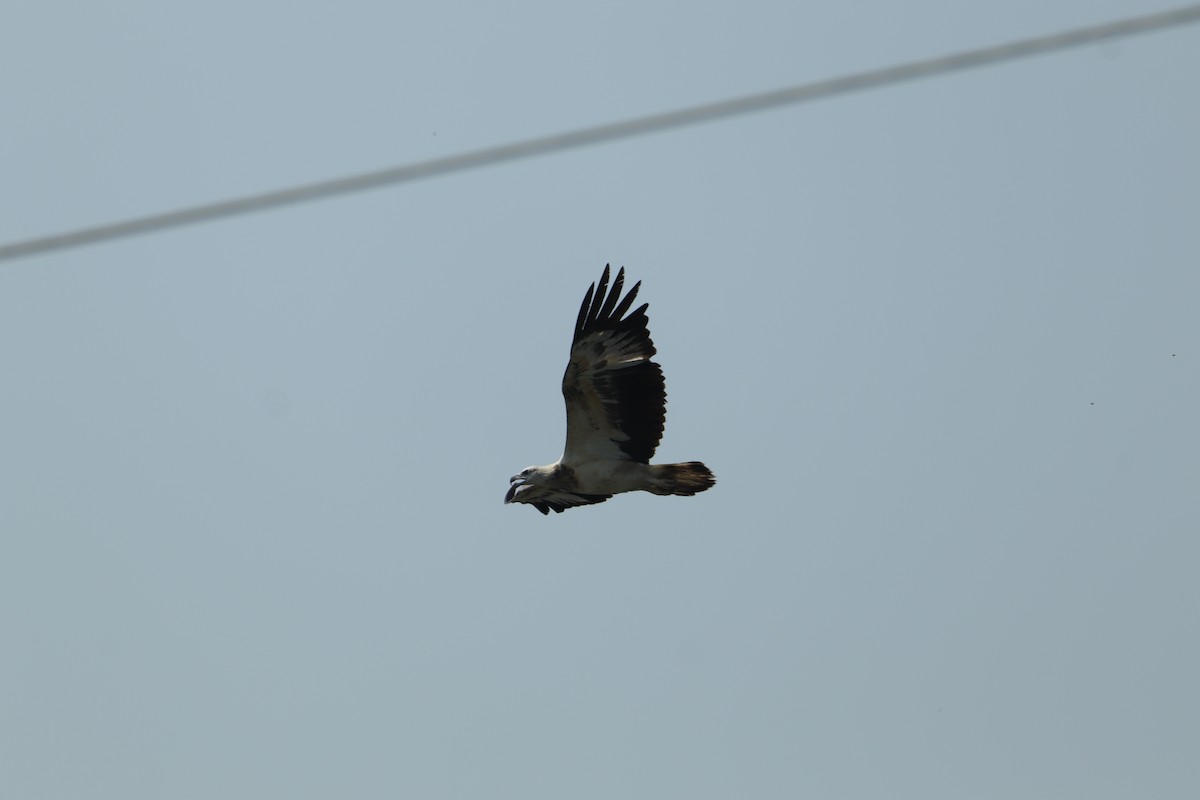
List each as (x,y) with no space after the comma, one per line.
(938,342)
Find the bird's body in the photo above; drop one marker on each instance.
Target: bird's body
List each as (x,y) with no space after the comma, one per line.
(616,409)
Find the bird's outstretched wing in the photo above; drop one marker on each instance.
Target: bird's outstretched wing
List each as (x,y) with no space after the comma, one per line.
(616,397)
(561,501)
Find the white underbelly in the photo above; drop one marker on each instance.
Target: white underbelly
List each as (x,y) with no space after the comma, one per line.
(611,477)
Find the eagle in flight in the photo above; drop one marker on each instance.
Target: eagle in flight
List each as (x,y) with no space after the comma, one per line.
(616,408)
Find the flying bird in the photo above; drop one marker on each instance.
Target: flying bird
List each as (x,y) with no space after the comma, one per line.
(616,408)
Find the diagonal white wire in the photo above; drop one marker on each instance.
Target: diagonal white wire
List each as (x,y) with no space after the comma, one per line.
(528,148)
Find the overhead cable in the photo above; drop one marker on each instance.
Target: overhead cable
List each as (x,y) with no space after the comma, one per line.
(528,148)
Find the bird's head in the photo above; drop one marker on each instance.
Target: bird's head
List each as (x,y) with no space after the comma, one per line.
(525,480)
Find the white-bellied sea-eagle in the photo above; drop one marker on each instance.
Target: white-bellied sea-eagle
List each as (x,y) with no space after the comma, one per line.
(616,408)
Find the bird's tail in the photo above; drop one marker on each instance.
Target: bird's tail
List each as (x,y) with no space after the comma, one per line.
(687,479)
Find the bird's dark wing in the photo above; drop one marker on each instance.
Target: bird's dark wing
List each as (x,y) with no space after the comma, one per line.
(616,397)
(560,501)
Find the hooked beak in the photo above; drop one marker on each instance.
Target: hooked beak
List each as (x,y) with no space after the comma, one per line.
(517,482)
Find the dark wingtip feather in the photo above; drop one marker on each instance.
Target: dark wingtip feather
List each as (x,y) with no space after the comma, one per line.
(599,297)
(613,296)
(620,310)
(582,319)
